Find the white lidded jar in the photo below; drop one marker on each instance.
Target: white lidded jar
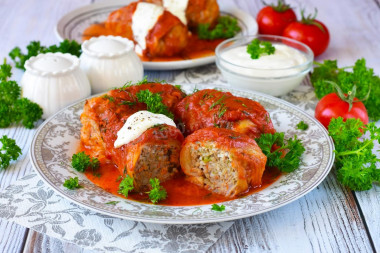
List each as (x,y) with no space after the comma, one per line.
(110,61)
(54,80)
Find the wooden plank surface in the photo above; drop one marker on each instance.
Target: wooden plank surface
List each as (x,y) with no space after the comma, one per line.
(326,220)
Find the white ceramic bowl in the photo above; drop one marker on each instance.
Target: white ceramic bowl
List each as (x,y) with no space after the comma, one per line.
(110,61)
(54,80)
(274,81)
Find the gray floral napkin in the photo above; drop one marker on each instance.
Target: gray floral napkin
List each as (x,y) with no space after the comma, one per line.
(31,203)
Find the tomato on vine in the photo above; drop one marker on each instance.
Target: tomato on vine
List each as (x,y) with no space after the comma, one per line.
(309,31)
(272,19)
(338,104)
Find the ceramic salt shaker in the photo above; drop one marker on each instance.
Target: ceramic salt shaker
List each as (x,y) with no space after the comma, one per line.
(110,61)
(54,80)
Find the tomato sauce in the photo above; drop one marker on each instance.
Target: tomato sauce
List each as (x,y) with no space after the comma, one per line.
(196,48)
(180,191)
(208,108)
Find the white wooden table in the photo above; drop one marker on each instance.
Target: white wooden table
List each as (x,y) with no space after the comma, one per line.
(328,219)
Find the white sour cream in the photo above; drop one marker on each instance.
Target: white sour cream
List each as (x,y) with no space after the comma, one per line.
(137,124)
(278,63)
(177,8)
(143,20)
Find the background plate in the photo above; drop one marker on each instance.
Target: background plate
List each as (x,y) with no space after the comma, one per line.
(58,137)
(72,25)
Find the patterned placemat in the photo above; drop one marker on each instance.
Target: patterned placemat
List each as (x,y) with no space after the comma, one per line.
(31,203)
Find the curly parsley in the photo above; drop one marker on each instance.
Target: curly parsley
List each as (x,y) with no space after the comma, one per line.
(14,109)
(302,125)
(8,151)
(216,207)
(72,183)
(292,148)
(226,27)
(258,48)
(355,159)
(153,102)
(125,186)
(157,192)
(80,161)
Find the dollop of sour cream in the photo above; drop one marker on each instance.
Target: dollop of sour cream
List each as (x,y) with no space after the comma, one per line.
(177,8)
(137,124)
(143,20)
(285,57)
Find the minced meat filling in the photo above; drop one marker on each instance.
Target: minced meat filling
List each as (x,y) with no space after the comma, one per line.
(155,161)
(216,166)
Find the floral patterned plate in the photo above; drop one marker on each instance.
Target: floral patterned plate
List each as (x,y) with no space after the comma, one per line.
(58,137)
(72,25)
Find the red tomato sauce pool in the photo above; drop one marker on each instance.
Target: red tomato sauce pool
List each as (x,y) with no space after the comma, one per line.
(180,192)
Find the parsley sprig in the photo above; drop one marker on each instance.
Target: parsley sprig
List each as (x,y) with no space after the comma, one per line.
(157,192)
(360,77)
(8,151)
(14,109)
(80,161)
(292,148)
(227,27)
(153,102)
(355,159)
(72,183)
(34,48)
(125,186)
(216,207)
(258,48)
(302,125)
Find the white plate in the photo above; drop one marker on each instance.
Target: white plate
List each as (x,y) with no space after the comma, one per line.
(72,25)
(58,137)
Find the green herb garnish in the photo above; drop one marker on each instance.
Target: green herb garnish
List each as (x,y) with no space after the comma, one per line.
(14,109)
(129,103)
(293,150)
(360,76)
(222,110)
(112,202)
(355,159)
(110,98)
(125,186)
(226,27)
(218,102)
(258,48)
(157,192)
(216,207)
(34,48)
(80,161)
(302,125)
(8,151)
(72,183)
(153,102)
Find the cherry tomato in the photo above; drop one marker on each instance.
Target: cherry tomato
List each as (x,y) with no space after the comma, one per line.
(332,106)
(311,32)
(274,19)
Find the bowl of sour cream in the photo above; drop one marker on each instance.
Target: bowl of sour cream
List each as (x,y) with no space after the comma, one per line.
(274,74)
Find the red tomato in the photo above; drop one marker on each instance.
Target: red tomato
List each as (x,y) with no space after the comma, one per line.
(274,19)
(332,106)
(313,33)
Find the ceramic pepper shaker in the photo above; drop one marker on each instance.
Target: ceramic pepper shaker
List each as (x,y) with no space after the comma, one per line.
(110,61)
(54,80)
